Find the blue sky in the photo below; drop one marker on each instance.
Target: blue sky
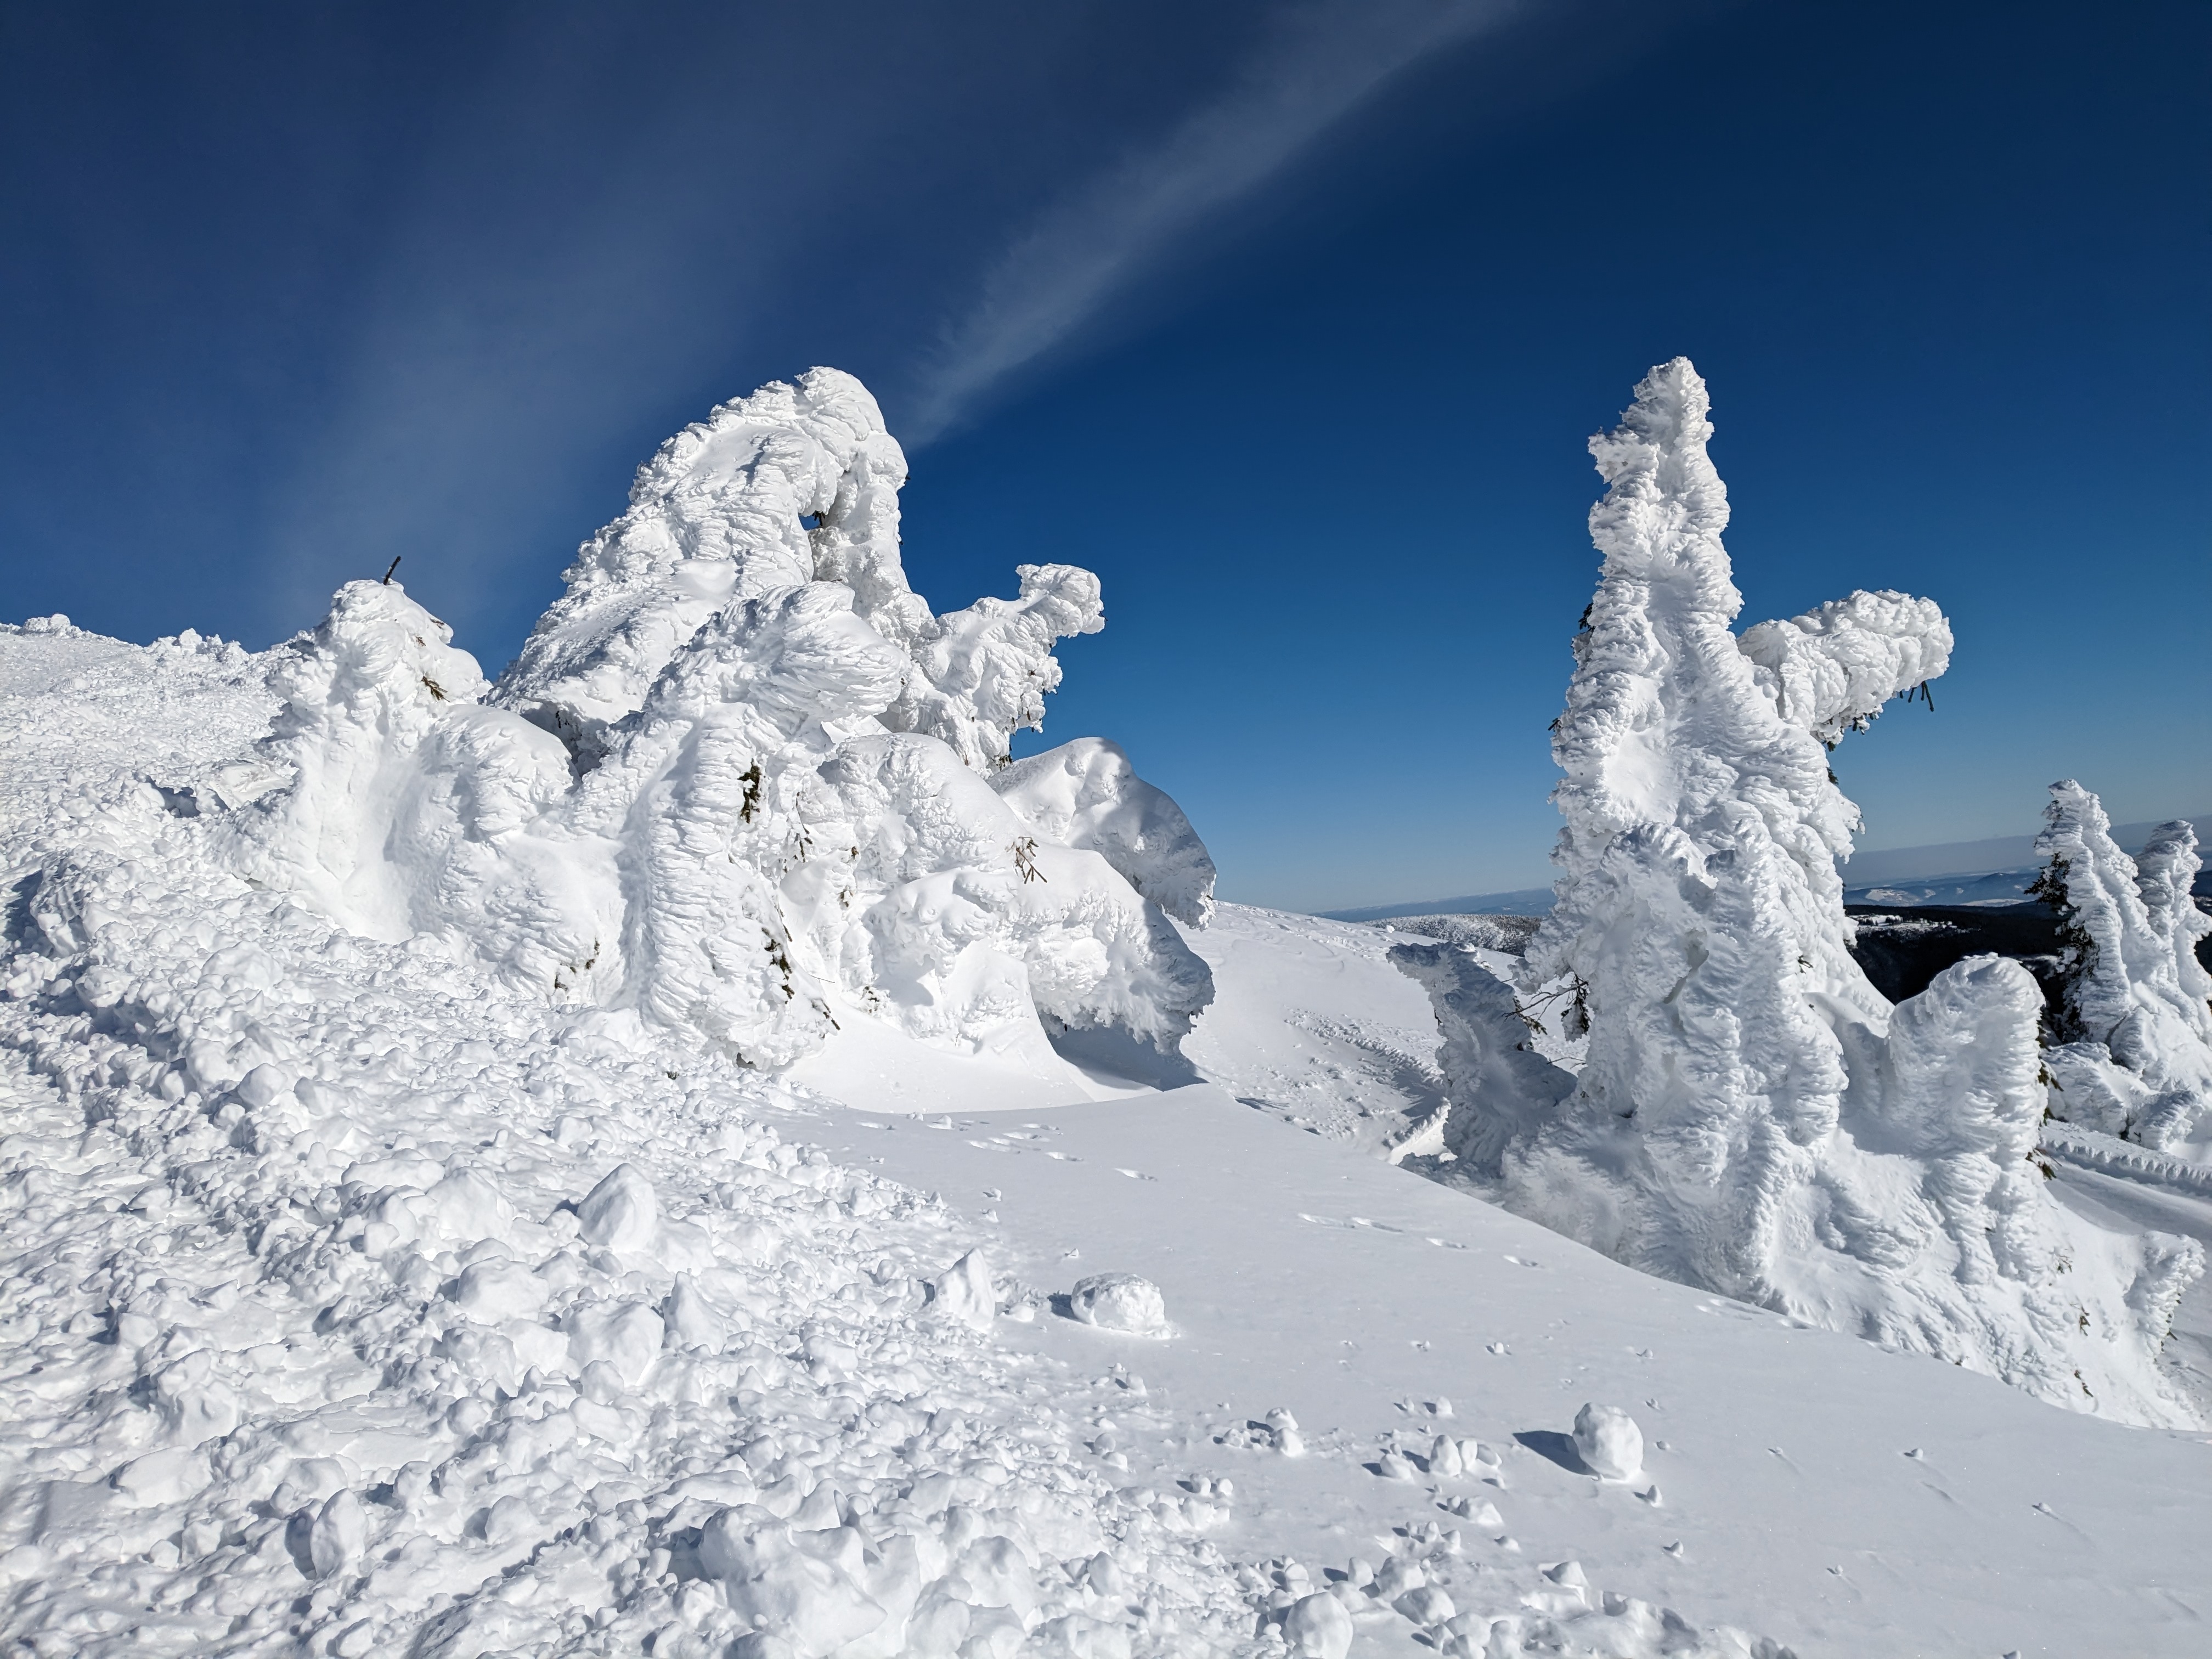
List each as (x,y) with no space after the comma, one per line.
(1290,320)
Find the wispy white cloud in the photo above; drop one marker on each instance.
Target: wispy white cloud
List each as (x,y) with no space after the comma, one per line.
(1319,62)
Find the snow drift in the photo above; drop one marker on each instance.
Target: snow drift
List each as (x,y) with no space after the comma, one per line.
(741,782)
(1744,1111)
(2133,1022)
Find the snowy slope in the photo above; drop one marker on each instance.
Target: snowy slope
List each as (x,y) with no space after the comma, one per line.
(1844,1499)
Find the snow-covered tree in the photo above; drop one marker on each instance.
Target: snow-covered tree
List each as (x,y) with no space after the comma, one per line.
(2134,1030)
(736,785)
(1700,903)
(1748,1113)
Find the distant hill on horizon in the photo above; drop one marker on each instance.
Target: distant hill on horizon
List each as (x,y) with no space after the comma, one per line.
(1993,872)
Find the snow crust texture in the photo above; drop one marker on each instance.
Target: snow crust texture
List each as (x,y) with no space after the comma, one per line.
(741,781)
(1727,1101)
(2135,1018)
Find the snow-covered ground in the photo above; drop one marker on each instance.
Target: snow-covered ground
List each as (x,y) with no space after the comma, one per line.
(459,1324)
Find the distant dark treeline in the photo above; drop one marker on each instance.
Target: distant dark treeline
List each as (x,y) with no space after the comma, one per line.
(1901,949)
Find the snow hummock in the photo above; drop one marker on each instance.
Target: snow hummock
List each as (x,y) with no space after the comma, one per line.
(1734,1105)
(2134,1022)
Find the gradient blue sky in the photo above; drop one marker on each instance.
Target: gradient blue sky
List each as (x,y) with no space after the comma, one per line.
(1291,320)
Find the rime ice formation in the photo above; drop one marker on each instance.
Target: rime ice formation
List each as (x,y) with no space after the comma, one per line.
(1748,1114)
(719,515)
(740,782)
(2134,1026)
(1085,794)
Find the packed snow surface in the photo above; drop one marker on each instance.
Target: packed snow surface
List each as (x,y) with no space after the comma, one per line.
(683,1152)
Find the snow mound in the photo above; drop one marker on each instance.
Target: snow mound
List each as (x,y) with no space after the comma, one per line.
(1746,1112)
(736,783)
(2133,1019)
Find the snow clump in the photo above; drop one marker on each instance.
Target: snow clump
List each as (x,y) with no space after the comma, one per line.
(1609,1442)
(1121,1301)
(1718,1094)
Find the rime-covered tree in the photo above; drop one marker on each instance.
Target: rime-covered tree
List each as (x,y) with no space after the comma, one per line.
(1749,1114)
(2133,1055)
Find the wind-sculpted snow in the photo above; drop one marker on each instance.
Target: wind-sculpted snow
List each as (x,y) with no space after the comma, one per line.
(718,515)
(1501,1089)
(1086,794)
(2134,1028)
(1747,1114)
(1832,670)
(966,925)
(740,806)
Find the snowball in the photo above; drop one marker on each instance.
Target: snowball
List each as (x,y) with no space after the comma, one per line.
(1317,1626)
(1609,1442)
(263,1086)
(1120,1302)
(1426,1606)
(620,1213)
(965,1292)
(496,1290)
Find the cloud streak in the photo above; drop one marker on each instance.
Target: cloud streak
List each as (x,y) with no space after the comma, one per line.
(1320,64)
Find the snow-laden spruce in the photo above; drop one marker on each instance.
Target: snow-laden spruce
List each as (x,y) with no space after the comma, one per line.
(1748,1113)
(2134,1056)
(741,782)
